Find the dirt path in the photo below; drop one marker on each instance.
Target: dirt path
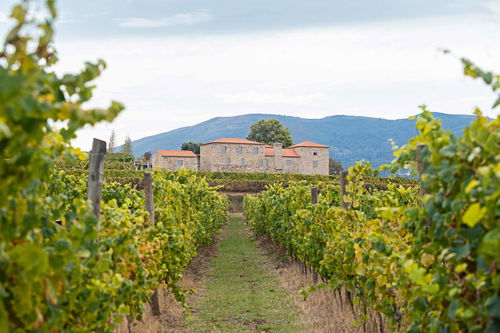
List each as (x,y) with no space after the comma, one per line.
(249,284)
(241,292)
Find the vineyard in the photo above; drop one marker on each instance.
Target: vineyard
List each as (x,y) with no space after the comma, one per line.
(253,182)
(81,273)
(65,265)
(134,256)
(426,257)
(86,240)
(125,172)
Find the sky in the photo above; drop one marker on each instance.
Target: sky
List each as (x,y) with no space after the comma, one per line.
(177,63)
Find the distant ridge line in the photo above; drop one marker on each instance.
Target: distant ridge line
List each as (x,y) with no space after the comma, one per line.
(350,138)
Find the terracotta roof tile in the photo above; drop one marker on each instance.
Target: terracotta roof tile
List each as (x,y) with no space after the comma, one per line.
(176,153)
(235,141)
(309,144)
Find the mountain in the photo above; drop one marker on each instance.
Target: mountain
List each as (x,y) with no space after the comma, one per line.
(351,138)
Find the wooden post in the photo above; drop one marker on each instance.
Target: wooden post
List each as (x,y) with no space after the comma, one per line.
(420,165)
(148,192)
(96,175)
(150,207)
(155,303)
(314,194)
(343,184)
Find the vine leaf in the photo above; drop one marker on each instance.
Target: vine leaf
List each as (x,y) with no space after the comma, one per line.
(473,214)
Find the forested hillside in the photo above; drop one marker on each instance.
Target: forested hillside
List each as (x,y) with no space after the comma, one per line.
(351,138)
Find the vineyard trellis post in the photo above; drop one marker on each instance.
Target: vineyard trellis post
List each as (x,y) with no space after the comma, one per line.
(343,192)
(314,195)
(150,207)
(96,175)
(155,303)
(314,200)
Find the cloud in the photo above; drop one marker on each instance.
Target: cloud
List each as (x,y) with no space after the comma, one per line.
(260,98)
(3,17)
(193,18)
(378,70)
(493,6)
(477,99)
(66,19)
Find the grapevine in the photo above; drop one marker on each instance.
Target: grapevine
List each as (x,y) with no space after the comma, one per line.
(61,268)
(428,263)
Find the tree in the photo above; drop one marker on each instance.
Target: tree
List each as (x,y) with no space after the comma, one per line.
(192,146)
(147,156)
(269,131)
(334,167)
(112,142)
(127,146)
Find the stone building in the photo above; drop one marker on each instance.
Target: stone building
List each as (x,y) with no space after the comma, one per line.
(175,159)
(241,155)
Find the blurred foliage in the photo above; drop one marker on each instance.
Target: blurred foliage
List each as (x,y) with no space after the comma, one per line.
(61,269)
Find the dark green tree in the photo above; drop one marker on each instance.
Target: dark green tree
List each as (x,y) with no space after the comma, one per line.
(192,146)
(269,131)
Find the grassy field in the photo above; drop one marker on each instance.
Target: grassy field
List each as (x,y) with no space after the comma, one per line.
(242,294)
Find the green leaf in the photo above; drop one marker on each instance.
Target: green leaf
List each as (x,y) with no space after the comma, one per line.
(62,245)
(487,77)
(84,253)
(473,183)
(427,259)
(473,214)
(461,251)
(490,244)
(493,327)
(52,7)
(497,103)
(19,13)
(493,306)
(5,131)
(452,308)
(31,257)
(4,326)
(415,273)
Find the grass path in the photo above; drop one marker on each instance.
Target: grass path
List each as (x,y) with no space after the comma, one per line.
(242,294)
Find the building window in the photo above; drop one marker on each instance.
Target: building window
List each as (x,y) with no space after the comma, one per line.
(315,153)
(255,150)
(239,150)
(180,162)
(228,161)
(261,163)
(242,161)
(266,163)
(223,149)
(288,163)
(315,164)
